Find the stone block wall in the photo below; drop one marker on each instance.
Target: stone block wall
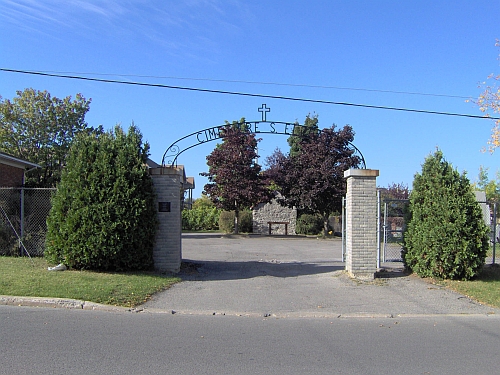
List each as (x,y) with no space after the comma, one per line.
(167,251)
(273,211)
(361,223)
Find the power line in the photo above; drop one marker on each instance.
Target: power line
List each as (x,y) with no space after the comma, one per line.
(263,83)
(248,94)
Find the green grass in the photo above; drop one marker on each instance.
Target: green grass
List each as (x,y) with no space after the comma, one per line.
(22,277)
(484,289)
(19,276)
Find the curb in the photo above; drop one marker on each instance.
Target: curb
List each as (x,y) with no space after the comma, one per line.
(59,303)
(72,304)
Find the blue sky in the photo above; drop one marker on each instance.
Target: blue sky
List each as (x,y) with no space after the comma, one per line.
(382,53)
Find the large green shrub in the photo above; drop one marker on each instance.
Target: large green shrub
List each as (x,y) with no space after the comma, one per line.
(201,218)
(226,221)
(445,236)
(245,222)
(309,224)
(103,215)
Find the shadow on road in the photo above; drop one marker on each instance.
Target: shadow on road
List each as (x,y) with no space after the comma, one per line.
(227,270)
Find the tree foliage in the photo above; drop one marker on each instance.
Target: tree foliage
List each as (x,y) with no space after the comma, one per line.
(203,202)
(445,236)
(201,218)
(301,134)
(103,215)
(397,194)
(313,179)
(395,191)
(40,128)
(489,103)
(490,187)
(235,179)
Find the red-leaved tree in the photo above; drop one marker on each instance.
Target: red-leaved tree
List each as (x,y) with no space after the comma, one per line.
(235,179)
(313,179)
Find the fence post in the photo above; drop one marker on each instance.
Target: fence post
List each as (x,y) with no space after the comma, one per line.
(494,230)
(378,228)
(343,219)
(21,217)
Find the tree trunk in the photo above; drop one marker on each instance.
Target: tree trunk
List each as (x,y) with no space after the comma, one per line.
(325,225)
(236,218)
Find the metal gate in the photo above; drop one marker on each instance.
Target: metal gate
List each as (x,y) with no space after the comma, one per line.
(391,229)
(392,225)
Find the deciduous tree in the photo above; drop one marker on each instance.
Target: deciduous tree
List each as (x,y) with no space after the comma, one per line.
(489,104)
(40,128)
(490,187)
(235,178)
(312,180)
(398,193)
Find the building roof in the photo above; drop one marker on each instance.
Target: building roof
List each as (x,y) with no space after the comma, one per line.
(16,162)
(189,183)
(152,164)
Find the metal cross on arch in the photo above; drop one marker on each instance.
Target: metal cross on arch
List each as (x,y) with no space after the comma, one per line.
(264,111)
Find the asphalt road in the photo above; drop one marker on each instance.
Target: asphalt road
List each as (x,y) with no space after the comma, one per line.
(296,277)
(262,306)
(61,341)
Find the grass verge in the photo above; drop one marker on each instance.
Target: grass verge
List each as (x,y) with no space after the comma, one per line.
(23,278)
(484,289)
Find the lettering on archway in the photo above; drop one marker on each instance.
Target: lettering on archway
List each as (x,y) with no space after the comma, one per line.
(203,136)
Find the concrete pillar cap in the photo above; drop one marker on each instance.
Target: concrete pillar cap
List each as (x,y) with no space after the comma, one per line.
(361,173)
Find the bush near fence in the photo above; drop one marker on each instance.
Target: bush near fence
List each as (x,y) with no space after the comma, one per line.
(36,204)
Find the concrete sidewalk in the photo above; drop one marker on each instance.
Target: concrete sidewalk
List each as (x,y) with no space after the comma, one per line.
(295,277)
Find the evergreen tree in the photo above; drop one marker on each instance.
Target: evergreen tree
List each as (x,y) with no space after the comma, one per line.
(302,134)
(103,215)
(445,236)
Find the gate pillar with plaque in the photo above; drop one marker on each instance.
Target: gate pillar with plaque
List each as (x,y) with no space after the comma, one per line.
(169,184)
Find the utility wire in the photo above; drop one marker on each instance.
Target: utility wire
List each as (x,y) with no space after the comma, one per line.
(263,83)
(248,94)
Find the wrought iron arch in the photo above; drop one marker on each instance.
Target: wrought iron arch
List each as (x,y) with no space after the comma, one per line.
(199,137)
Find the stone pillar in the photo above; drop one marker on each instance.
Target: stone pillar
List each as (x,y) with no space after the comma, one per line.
(167,251)
(361,223)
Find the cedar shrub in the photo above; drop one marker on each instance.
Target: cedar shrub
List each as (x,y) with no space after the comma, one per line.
(103,215)
(445,236)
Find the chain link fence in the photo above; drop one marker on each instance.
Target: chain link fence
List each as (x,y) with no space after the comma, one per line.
(490,218)
(392,226)
(23,220)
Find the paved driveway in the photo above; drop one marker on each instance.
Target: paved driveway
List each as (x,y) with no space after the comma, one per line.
(294,276)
